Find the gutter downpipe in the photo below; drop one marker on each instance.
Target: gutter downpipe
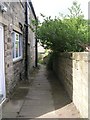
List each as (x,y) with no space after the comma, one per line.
(26,39)
(36,51)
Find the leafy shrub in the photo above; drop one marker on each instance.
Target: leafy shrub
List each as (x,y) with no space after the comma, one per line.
(67,34)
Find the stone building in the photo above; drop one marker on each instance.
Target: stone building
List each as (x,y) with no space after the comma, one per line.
(17,44)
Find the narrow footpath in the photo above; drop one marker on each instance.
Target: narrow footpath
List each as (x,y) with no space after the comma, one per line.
(44,97)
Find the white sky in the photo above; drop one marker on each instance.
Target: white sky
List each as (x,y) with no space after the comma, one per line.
(54,7)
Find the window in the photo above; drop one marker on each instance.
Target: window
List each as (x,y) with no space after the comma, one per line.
(17,45)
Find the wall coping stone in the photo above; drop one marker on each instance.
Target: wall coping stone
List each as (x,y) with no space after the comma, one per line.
(83,56)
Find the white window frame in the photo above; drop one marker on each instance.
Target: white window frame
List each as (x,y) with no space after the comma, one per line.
(19,40)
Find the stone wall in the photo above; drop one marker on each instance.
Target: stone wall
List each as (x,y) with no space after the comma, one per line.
(89,87)
(10,19)
(0,111)
(31,43)
(80,82)
(73,72)
(64,69)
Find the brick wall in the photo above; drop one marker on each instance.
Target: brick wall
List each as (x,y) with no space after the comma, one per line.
(73,72)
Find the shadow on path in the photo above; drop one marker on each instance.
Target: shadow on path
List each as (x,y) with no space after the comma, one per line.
(60,96)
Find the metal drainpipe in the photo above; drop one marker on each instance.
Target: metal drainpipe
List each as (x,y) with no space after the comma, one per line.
(26,38)
(36,51)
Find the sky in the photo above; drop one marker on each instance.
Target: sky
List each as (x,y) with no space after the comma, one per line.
(54,7)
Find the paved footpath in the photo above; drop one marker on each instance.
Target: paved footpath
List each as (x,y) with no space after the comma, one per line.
(43,98)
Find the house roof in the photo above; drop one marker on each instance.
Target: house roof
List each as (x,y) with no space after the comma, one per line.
(32,9)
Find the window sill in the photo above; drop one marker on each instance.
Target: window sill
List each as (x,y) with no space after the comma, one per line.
(17,59)
(2,101)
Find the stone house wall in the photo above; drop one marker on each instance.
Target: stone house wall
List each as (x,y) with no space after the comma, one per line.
(14,70)
(72,70)
(31,43)
(10,19)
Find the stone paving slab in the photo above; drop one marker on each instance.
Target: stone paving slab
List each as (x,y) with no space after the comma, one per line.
(46,98)
(68,110)
(13,106)
(9,115)
(35,102)
(38,112)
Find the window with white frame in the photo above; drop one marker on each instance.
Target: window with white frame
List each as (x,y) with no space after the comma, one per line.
(17,45)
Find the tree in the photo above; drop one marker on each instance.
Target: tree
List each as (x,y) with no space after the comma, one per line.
(67,34)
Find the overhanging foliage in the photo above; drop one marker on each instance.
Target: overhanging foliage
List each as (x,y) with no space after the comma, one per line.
(67,34)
